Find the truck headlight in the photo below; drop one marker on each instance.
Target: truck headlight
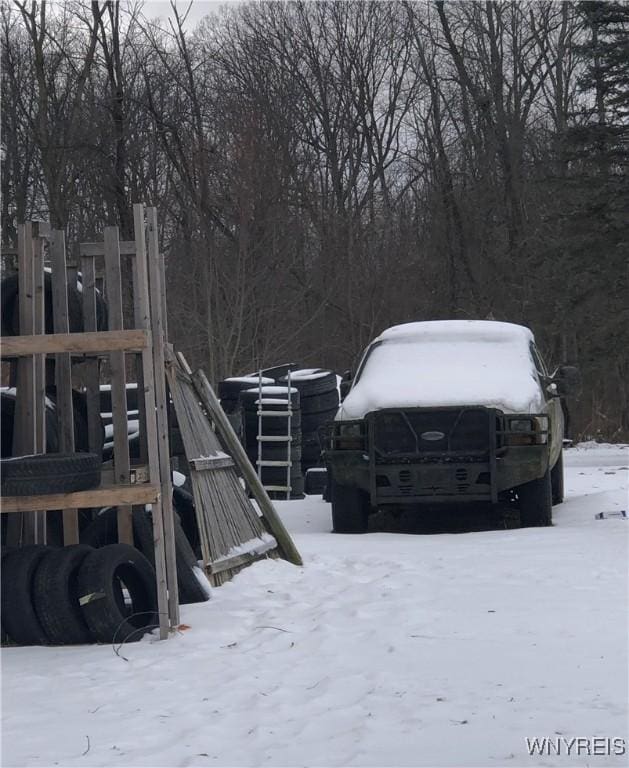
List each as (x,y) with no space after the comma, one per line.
(530,430)
(349,436)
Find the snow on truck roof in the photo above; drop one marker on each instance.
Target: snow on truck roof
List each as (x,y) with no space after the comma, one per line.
(447,363)
(461,330)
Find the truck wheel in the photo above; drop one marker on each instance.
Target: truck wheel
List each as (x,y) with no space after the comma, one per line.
(350,509)
(536,502)
(556,480)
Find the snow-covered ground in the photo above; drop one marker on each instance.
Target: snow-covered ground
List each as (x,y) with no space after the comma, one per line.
(387,649)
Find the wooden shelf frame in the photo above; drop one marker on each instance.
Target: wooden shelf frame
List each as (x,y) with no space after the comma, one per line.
(146,340)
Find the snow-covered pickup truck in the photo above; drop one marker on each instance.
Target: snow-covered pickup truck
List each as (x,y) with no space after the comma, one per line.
(449,411)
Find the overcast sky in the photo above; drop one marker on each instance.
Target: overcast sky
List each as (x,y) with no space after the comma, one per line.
(200,8)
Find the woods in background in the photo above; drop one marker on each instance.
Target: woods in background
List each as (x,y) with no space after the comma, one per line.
(325,170)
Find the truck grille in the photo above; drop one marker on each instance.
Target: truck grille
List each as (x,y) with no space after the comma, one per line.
(435,433)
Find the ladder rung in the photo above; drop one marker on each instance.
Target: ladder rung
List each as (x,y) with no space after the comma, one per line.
(269,463)
(278,487)
(274,438)
(275,413)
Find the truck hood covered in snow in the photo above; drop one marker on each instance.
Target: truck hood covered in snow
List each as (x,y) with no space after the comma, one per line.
(447,363)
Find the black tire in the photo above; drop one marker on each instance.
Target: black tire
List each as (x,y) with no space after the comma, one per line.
(249,397)
(557,480)
(229,389)
(313,421)
(131,396)
(328,401)
(188,586)
(251,439)
(276,453)
(4,635)
(272,425)
(183,502)
(536,502)
(315,482)
(50,473)
(56,597)
(350,509)
(321,381)
(101,579)
(18,614)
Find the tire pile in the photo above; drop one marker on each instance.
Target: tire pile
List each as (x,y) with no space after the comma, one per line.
(97,591)
(275,446)
(319,399)
(315,401)
(76,594)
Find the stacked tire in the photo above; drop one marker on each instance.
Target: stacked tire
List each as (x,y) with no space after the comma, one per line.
(273,401)
(319,398)
(77,594)
(229,393)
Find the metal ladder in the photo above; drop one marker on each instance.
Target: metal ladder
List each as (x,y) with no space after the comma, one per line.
(287,439)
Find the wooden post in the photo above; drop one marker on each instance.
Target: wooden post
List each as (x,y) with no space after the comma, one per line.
(157,300)
(20,528)
(143,320)
(63,369)
(92,367)
(122,464)
(39,328)
(269,515)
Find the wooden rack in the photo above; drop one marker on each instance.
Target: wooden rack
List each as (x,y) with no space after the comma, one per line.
(145,341)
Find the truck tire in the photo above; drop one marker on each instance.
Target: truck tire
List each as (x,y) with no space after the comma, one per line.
(56,599)
(50,473)
(556,480)
(536,502)
(103,577)
(350,509)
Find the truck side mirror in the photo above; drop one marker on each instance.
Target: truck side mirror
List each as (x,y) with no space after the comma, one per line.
(568,380)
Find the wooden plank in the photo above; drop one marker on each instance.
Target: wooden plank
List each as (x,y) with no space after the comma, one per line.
(143,320)
(127,248)
(157,291)
(101,343)
(229,563)
(91,374)
(63,370)
(118,378)
(103,496)
(211,462)
(273,522)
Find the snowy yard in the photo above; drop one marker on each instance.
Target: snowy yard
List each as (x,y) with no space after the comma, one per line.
(387,649)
